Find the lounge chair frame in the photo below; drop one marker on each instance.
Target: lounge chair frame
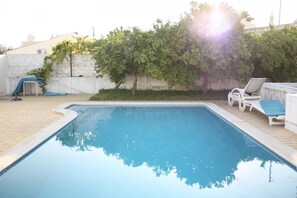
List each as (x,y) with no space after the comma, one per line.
(249,93)
(273,120)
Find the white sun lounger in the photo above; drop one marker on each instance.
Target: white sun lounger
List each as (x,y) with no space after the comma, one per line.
(243,96)
(273,109)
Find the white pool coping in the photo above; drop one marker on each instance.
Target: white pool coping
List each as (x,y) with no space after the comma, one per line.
(14,154)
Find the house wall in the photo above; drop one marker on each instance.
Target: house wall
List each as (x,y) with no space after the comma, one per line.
(84,76)
(2,75)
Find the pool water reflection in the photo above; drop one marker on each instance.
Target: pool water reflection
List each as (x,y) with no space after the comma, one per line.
(149,152)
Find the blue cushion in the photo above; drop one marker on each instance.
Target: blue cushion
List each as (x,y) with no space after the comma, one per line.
(54,94)
(272,107)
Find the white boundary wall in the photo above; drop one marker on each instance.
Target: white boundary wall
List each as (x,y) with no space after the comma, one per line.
(17,65)
(278,91)
(3,75)
(291,110)
(83,78)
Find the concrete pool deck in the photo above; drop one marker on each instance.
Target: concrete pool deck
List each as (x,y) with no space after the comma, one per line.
(21,120)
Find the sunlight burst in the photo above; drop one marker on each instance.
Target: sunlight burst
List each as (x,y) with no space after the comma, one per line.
(218,22)
(213,23)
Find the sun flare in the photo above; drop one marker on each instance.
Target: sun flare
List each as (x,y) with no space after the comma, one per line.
(213,23)
(218,22)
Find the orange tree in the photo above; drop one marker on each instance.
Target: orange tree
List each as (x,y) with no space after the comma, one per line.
(124,52)
(274,54)
(181,52)
(220,36)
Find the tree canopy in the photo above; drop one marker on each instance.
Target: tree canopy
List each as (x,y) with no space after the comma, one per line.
(220,37)
(3,49)
(274,53)
(64,49)
(208,41)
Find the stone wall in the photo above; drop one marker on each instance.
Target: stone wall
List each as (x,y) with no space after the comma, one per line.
(19,64)
(291,109)
(82,65)
(83,78)
(2,75)
(278,91)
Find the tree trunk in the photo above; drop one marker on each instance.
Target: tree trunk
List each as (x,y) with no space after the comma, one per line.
(134,85)
(118,84)
(205,83)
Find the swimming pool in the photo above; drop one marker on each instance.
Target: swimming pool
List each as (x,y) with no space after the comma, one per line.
(118,151)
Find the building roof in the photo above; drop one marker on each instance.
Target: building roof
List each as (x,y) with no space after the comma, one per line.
(42,47)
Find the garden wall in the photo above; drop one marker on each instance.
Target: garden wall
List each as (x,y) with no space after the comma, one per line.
(83,78)
(2,75)
(17,65)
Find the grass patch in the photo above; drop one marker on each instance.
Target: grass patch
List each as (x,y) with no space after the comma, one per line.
(124,94)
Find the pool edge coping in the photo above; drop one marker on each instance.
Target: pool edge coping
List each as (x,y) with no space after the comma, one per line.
(285,152)
(14,154)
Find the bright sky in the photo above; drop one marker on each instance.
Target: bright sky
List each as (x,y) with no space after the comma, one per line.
(46,18)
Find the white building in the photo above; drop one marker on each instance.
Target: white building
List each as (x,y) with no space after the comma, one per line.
(41,47)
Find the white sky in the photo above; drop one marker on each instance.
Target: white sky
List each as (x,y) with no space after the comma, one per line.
(44,18)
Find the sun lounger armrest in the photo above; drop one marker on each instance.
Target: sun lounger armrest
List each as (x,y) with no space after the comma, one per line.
(237,90)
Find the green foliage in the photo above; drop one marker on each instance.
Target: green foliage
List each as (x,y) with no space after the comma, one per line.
(125,52)
(177,54)
(2,49)
(124,94)
(221,41)
(274,53)
(244,15)
(110,56)
(44,71)
(167,52)
(207,42)
(62,50)
(138,53)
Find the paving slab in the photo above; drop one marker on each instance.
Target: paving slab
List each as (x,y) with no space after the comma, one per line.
(20,120)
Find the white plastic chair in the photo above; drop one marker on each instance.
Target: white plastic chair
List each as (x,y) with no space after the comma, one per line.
(250,92)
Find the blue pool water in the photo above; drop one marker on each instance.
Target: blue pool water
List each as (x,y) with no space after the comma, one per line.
(149,152)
